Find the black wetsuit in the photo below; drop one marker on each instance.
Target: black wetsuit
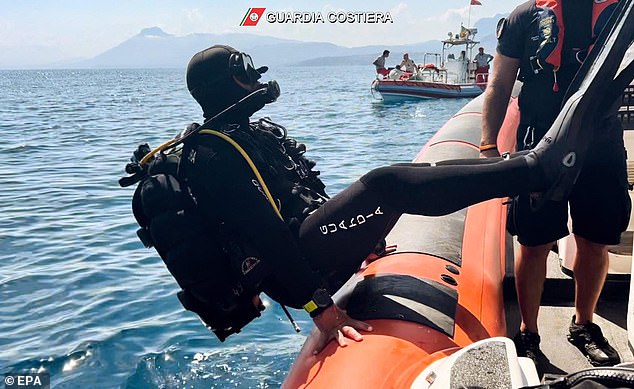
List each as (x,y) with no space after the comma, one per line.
(333,241)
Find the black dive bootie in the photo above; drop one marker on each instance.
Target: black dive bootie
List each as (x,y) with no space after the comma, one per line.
(558,157)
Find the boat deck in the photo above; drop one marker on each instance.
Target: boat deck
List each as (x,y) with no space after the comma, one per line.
(557,310)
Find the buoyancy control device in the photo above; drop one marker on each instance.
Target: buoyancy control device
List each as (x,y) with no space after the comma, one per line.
(219,273)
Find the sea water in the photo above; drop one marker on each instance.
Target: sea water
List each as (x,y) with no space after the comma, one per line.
(80,297)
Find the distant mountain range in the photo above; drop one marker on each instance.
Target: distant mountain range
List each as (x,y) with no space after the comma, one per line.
(154,48)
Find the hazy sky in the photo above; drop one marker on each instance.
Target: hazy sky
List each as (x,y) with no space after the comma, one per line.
(85,28)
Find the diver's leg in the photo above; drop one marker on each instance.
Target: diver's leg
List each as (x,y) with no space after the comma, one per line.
(339,235)
(536,230)
(442,189)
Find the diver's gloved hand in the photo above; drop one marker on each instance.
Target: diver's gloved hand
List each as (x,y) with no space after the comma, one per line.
(334,323)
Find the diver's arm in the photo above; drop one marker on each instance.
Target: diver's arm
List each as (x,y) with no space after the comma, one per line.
(496,100)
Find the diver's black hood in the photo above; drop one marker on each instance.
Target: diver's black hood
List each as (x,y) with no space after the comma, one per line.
(210,82)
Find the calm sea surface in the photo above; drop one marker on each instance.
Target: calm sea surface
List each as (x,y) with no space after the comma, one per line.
(80,297)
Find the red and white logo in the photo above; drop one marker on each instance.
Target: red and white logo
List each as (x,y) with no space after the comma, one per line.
(252,17)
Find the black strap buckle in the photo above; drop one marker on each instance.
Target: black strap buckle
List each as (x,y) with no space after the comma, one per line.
(536,67)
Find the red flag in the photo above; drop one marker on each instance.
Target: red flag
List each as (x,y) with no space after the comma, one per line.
(253,16)
(475,2)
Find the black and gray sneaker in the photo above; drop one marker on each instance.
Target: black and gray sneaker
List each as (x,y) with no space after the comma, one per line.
(527,345)
(589,339)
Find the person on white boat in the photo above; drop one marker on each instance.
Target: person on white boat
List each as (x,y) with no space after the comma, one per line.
(396,73)
(482,61)
(408,64)
(379,62)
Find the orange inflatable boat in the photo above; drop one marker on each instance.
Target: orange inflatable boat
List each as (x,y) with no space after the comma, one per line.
(441,291)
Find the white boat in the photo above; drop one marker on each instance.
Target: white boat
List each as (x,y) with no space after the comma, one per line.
(444,75)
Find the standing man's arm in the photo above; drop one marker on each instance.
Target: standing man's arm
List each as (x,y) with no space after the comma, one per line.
(496,100)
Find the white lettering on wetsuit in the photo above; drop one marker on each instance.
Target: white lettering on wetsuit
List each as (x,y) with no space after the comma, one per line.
(257,185)
(348,224)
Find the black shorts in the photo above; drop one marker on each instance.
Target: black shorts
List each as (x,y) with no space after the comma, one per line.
(599,204)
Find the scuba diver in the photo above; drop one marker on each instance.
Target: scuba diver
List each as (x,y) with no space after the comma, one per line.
(234,208)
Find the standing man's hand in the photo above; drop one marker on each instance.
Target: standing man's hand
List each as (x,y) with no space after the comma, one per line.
(334,323)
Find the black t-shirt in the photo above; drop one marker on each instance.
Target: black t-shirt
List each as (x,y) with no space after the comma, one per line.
(539,103)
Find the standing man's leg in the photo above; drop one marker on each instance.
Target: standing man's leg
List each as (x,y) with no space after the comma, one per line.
(590,270)
(530,274)
(536,231)
(600,209)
